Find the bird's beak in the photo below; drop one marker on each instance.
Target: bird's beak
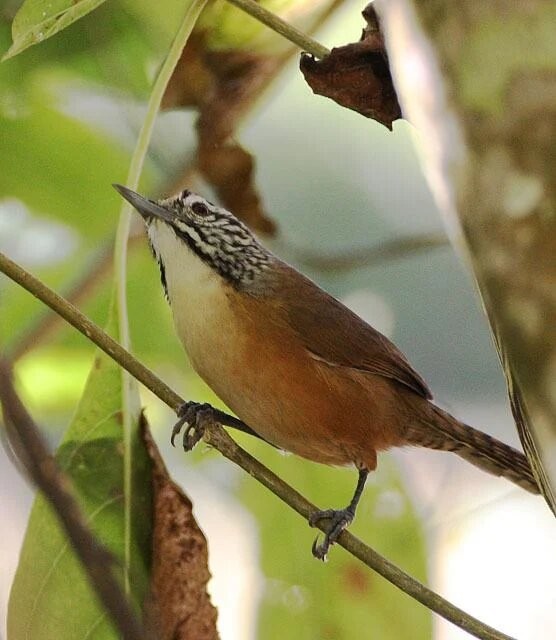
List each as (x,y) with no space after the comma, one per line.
(147,208)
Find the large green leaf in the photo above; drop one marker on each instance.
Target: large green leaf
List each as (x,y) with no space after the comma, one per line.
(108,48)
(342,598)
(62,168)
(51,598)
(37,20)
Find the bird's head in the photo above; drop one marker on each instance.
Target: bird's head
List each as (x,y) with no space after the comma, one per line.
(189,223)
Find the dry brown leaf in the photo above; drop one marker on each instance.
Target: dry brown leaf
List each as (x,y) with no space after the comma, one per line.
(191,80)
(229,169)
(220,85)
(223,83)
(179,607)
(357,76)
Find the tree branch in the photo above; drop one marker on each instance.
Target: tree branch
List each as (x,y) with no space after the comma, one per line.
(31,451)
(490,163)
(221,441)
(99,267)
(90,330)
(370,256)
(272,21)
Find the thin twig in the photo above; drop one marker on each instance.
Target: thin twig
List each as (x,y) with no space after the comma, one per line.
(95,334)
(370,256)
(272,21)
(46,322)
(218,438)
(90,330)
(97,561)
(98,268)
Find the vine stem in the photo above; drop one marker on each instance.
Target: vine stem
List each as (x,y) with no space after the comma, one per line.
(120,253)
(220,440)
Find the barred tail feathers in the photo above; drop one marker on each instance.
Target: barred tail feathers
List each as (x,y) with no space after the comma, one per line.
(444,432)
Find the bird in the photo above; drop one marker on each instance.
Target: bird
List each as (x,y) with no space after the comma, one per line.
(297,367)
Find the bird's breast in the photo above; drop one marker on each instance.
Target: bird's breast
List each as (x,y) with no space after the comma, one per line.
(245,351)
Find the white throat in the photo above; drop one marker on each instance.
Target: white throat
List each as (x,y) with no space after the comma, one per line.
(197,294)
(187,275)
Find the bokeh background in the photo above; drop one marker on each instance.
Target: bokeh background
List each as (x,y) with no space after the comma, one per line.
(336,184)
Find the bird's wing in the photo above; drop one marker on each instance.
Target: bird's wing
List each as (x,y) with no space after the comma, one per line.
(333,333)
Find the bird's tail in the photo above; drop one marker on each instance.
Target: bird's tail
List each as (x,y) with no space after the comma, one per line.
(442,431)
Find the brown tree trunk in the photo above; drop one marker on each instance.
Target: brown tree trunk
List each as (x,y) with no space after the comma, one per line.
(479,82)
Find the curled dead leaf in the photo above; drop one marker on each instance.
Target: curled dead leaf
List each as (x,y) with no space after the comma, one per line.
(220,84)
(357,76)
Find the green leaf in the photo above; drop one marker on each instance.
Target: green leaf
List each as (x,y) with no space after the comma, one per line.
(37,20)
(52,177)
(51,598)
(342,598)
(106,49)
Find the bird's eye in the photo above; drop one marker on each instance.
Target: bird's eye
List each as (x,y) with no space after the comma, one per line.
(199,208)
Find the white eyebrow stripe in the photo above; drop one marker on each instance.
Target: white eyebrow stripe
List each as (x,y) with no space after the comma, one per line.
(185,228)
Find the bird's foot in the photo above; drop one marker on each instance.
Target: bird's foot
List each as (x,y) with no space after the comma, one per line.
(339,520)
(195,416)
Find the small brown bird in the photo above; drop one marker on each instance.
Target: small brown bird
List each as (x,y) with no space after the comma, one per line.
(292,362)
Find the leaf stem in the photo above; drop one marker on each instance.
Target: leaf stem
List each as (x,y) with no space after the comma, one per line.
(120,249)
(271,20)
(218,438)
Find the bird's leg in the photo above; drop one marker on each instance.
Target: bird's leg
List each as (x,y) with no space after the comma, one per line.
(339,518)
(195,415)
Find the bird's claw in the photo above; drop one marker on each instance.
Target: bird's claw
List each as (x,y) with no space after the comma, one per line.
(339,520)
(194,415)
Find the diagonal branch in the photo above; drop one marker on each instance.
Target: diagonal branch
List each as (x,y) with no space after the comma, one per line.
(28,444)
(98,268)
(221,441)
(280,26)
(371,256)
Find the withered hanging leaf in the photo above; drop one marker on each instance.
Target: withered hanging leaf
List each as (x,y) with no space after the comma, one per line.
(179,607)
(357,75)
(221,84)
(227,63)
(225,164)
(192,81)
(229,169)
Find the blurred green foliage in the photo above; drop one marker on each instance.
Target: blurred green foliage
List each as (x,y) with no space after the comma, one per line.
(340,599)
(49,575)
(61,166)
